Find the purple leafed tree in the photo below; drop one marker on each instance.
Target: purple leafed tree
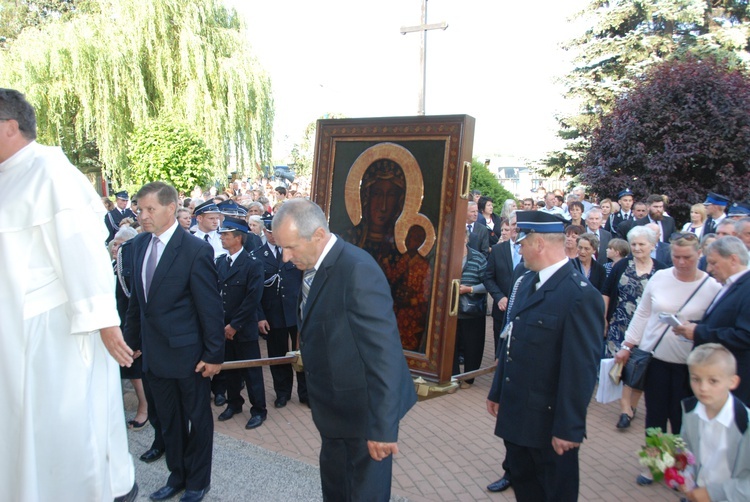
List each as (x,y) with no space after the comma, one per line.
(683,131)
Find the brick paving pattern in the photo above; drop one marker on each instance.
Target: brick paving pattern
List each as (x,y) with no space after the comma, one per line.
(448,451)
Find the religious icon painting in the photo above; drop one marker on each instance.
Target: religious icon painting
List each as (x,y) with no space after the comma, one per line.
(398,188)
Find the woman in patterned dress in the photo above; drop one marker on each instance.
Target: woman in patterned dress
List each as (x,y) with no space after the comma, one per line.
(621,293)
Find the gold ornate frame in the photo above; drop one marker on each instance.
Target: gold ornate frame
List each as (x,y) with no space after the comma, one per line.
(435,156)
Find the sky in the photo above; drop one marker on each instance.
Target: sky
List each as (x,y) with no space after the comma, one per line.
(497,61)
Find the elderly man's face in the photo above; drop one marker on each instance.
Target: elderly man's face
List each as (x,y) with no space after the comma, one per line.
(254,210)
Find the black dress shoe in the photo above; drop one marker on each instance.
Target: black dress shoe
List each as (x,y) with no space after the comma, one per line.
(166,492)
(500,485)
(624,421)
(228,413)
(220,400)
(152,455)
(255,421)
(194,495)
(280,401)
(130,496)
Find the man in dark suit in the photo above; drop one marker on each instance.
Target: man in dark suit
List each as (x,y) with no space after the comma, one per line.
(115,216)
(175,319)
(656,215)
(503,259)
(357,378)
(727,319)
(593,225)
(479,237)
(277,319)
(547,365)
(716,206)
(241,285)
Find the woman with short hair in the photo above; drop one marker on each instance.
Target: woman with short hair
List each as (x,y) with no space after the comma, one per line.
(622,292)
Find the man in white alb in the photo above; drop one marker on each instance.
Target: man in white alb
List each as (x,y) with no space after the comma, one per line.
(63,427)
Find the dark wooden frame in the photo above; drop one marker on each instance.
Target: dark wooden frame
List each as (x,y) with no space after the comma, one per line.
(442,145)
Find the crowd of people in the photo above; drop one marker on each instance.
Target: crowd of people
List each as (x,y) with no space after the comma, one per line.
(643,271)
(199,279)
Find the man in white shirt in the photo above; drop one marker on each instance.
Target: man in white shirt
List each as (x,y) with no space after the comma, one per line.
(716,205)
(208,217)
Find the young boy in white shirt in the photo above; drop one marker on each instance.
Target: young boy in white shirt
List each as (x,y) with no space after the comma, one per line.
(715,427)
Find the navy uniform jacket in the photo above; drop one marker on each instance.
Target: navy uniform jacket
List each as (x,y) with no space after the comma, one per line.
(241,287)
(113,218)
(613,222)
(181,323)
(728,323)
(357,378)
(252,242)
(282,285)
(545,380)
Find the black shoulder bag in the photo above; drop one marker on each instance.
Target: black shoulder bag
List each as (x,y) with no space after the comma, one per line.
(634,372)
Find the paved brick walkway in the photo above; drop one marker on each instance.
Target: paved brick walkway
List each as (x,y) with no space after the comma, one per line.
(449,453)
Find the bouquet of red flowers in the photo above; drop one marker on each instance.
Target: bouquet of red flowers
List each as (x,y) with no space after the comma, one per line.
(668,458)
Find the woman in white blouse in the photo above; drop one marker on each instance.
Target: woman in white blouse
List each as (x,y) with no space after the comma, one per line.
(667,378)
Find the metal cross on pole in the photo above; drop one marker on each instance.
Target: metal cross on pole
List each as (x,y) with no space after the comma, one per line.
(423,27)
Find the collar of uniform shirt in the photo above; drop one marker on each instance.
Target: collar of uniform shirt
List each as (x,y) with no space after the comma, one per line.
(548,272)
(234,256)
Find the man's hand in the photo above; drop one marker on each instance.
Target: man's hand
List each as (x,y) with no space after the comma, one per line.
(503,304)
(207,369)
(379,451)
(561,446)
(687,330)
(264,327)
(698,495)
(229,332)
(493,408)
(116,346)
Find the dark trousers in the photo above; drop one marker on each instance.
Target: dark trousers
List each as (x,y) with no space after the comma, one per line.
(153,418)
(348,473)
(219,384)
(666,385)
(470,334)
(540,474)
(256,391)
(184,410)
(282,374)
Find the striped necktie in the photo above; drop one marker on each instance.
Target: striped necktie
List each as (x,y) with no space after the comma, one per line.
(307,280)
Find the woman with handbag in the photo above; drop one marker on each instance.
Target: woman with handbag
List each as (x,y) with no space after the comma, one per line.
(682,292)
(621,292)
(472,309)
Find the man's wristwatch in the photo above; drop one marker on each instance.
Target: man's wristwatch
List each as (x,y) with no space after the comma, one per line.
(625,347)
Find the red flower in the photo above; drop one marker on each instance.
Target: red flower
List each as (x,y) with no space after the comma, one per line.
(672,478)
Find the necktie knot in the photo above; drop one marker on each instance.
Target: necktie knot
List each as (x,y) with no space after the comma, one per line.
(206,237)
(229,260)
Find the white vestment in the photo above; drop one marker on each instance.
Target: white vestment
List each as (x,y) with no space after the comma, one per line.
(62,428)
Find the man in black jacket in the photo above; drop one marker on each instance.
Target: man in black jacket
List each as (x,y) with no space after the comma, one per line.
(241,285)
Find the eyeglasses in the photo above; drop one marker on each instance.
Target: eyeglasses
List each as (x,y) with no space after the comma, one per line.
(688,236)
